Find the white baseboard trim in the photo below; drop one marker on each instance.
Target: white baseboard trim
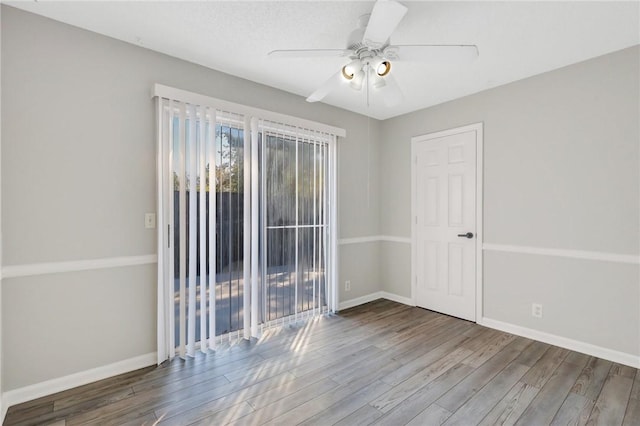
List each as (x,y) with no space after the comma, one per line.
(374,296)
(552,339)
(359,300)
(49,387)
(564,342)
(13,271)
(396,298)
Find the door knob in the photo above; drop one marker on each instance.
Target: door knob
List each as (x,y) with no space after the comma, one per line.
(467,235)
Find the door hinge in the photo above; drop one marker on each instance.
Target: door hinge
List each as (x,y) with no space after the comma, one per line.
(168,236)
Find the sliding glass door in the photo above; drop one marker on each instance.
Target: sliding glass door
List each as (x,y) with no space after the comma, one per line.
(245,225)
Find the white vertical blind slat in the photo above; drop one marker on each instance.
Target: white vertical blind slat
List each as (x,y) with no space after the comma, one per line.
(325,228)
(333,225)
(171,279)
(263,220)
(193,231)
(320,247)
(328,230)
(282,136)
(323,232)
(255,211)
(246,223)
(297,229)
(212,229)
(328,251)
(315,229)
(162,351)
(182,233)
(202,156)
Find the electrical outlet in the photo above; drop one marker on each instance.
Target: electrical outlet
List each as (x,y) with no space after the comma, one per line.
(347,286)
(536,310)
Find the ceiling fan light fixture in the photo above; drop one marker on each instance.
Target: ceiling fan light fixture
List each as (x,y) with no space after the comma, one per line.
(345,74)
(377,81)
(351,69)
(383,68)
(357,80)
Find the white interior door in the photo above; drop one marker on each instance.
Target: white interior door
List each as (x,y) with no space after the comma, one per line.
(444,229)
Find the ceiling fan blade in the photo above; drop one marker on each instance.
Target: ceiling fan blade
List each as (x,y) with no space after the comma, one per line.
(309,53)
(385,17)
(433,53)
(327,87)
(391,93)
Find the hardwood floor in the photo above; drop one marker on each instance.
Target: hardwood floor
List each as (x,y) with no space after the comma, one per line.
(381,363)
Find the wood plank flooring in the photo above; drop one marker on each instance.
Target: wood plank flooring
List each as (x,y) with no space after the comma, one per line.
(381,363)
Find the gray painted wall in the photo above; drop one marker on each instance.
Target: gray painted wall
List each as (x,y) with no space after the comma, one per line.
(78,174)
(561,170)
(78,120)
(60,324)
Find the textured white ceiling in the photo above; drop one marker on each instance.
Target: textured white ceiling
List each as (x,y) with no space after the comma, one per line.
(515,39)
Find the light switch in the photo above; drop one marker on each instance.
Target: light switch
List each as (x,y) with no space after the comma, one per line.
(150,220)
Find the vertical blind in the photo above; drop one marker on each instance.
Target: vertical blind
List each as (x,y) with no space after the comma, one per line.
(246,214)
(293,163)
(199,277)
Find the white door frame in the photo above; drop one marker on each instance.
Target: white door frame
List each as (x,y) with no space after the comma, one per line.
(478,128)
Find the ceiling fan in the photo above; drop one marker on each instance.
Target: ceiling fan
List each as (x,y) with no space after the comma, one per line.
(371,55)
